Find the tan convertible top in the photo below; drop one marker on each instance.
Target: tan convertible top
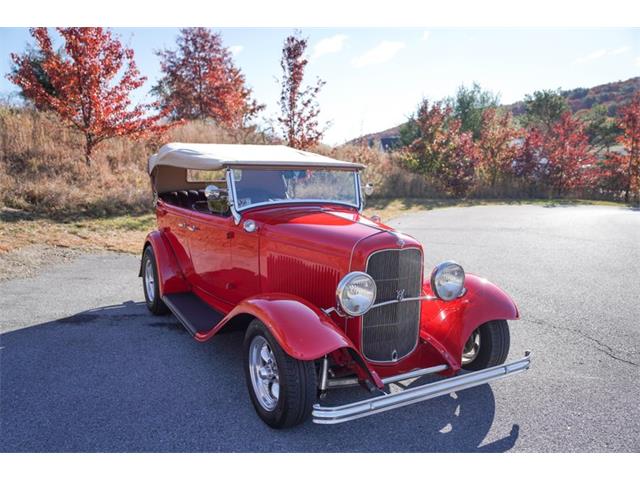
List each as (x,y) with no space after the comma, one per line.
(211,156)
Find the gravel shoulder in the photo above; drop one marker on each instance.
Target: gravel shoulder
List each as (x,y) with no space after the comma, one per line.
(28,261)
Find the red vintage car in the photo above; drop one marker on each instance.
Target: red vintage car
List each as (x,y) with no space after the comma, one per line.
(272,240)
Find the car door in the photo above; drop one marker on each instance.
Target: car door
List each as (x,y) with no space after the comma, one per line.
(210,245)
(244,277)
(172,222)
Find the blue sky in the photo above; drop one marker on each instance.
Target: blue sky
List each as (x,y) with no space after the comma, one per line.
(376,76)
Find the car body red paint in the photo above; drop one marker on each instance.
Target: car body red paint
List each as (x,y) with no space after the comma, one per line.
(281,263)
(300,253)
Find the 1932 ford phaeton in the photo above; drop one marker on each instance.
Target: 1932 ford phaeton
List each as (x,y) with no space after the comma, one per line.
(272,240)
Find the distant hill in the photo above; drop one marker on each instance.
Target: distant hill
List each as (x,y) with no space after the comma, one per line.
(612,95)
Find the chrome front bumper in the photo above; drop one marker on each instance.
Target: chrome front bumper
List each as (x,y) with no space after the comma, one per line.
(364,408)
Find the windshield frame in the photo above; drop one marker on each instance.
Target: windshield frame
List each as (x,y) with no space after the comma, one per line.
(232,188)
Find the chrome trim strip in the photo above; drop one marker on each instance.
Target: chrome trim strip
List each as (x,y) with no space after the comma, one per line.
(389,302)
(414,374)
(364,408)
(358,188)
(366,268)
(336,383)
(232,187)
(297,202)
(410,299)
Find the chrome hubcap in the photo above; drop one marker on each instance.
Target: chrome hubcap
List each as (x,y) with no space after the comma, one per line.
(263,370)
(149,280)
(471,348)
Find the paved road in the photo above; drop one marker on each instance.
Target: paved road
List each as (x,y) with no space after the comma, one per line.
(83,367)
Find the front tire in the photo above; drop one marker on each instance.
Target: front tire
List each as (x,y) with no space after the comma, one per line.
(282,389)
(487,346)
(150,283)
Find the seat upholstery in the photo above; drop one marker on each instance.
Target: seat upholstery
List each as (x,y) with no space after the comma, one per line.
(185,198)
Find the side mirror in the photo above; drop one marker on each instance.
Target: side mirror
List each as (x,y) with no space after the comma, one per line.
(217,199)
(368,189)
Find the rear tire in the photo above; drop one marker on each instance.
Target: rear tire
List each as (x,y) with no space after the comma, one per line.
(493,346)
(282,389)
(150,283)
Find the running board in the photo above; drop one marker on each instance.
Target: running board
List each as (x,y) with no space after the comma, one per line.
(364,408)
(196,316)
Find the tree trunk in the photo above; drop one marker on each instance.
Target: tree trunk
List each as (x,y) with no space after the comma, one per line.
(627,191)
(88,149)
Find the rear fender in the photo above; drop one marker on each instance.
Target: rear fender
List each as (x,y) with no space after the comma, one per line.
(447,325)
(170,277)
(302,330)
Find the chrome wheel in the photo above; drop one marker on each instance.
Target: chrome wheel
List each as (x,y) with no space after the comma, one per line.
(263,370)
(471,348)
(149,280)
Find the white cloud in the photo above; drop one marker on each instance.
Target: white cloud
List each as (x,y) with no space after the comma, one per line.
(381,53)
(620,50)
(426,34)
(638,61)
(601,52)
(236,49)
(329,45)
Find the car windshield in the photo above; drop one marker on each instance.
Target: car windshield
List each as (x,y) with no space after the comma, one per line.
(260,186)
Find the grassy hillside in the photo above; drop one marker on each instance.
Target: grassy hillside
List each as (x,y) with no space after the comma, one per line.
(42,169)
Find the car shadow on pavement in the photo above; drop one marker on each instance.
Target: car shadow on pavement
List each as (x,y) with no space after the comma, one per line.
(119,379)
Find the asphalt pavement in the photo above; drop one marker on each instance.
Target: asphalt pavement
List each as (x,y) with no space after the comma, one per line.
(85,367)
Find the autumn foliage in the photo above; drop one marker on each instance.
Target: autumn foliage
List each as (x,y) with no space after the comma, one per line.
(568,155)
(528,163)
(90,80)
(441,148)
(495,147)
(298,105)
(558,159)
(627,166)
(467,146)
(201,81)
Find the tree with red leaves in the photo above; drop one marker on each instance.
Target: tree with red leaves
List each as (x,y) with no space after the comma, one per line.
(627,165)
(201,81)
(561,157)
(569,155)
(441,149)
(495,146)
(298,105)
(87,88)
(528,162)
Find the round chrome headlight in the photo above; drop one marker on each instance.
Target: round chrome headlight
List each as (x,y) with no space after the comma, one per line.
(447,280)
(356,293)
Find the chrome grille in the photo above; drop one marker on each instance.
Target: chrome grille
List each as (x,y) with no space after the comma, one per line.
(390,332)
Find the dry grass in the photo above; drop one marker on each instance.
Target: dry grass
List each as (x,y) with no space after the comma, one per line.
(124,233)
(42,168)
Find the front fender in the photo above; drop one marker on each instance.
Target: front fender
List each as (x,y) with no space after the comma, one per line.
(447,325)
(302,330)
(170,277)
